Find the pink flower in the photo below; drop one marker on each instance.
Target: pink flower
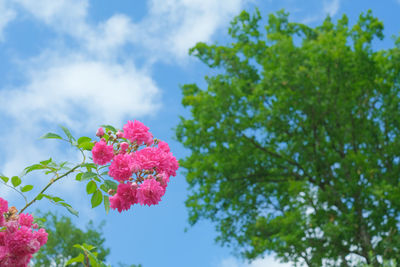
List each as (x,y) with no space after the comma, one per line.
(25,219)
(3,205)
(102,153)
(125,197)
(163,146)
(100,132)
(18,241)
(120,168)
(41,236)
(150,192)
(163,178)
(138,132)
(147,158)
(119,134)
(153,157)
(124,146)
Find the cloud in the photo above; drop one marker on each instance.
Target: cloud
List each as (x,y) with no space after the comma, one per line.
(7,15)
(62,15)
(331,7)
(174,26)
(81,92)
(267,261)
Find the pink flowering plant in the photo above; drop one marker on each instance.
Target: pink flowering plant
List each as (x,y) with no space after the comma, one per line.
(120,169)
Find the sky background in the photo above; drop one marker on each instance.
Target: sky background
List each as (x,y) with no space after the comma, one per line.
(86,63)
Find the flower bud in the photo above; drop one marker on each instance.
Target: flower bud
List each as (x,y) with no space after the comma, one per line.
(124,146)
(119,134)
(100,132)
(111,192)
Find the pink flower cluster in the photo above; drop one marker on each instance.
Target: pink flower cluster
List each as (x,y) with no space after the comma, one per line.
(18,239)
(141,164)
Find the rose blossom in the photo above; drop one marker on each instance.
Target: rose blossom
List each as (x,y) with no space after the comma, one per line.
(138,132)
(102,153)
(150,192)
(120,168)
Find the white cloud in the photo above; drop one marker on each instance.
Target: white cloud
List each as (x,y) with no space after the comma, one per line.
(174,26)
(7,15)
(331,7)
(63,15)
(268,261)
(81,92)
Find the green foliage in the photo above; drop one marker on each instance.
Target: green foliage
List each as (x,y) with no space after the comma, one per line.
(63,235)
(294,142)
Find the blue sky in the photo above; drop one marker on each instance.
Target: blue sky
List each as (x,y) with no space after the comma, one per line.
(85,63)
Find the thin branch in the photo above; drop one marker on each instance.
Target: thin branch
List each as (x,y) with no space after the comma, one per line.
(52,181)
(19,192)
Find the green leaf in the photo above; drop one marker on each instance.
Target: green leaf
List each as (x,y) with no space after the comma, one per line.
(91,187)
(51,136)
(107,204)
(16,181)
(79,258)
(53,198)
(97,198)
(84,139)
(78,177)
(34,167)
(87,146)
(88,175)
(27,188)
(46,162)
(90,165)
(4,178)
(104,188)
(67,133)
(72,211)
(111,184)
(109,127)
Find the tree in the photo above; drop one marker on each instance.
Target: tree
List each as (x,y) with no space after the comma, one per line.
(63,235)
(295,141)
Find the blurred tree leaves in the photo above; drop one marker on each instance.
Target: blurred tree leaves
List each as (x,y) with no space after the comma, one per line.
(295,141)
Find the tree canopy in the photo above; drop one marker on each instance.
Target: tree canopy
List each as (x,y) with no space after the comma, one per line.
(63,235)
(295,141)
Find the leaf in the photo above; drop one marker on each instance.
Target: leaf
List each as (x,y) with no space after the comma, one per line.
(67,133)
(84,139)
(16,181)
(4,178)
(46,162)
(104,188)
(88,175)
(27,188)
(91,187)
(53,198)
(79,258)
(109,127)
(86,146)
(97,198)
(107,204)
(72,211)
(78,177)
(33,168)
(51,136)
(111,184)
